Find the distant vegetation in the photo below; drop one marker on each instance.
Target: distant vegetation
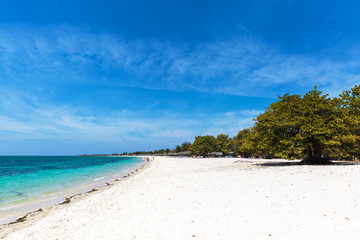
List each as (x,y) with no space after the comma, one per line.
(312,127)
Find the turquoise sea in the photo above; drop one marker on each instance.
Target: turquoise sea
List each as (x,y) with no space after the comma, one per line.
(26,181)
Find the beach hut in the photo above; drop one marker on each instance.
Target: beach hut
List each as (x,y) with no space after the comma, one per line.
(216,154)
(183,154)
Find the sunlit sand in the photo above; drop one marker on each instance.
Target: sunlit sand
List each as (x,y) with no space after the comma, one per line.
(214,198)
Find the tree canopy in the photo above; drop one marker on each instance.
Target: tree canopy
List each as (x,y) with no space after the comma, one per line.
(313,127)
(222,141)
(349,104)
(185,146)
(203,145)
(301,127)
(246,143)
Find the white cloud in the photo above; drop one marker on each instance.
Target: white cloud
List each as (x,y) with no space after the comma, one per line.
(24,117)
(241,66)
(37,57)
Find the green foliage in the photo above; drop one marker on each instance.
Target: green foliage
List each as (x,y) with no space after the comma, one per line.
(203,145)
(222,142)
(185,146)
(231,146)
(246,144)
(300,127)
(161,151)
(312,127)
(177,149)
(349,104)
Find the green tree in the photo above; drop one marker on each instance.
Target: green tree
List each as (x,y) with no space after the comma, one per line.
(246,143)
(301,127)
(222,141)
(167,151)
(231,146)
(349,104)
(185,146)
(203,145)
(177,149)
(161,151)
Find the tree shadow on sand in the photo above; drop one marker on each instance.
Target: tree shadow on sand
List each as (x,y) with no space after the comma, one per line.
(297,163)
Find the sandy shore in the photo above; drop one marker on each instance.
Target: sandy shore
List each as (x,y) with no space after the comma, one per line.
(182,198)
(12,212)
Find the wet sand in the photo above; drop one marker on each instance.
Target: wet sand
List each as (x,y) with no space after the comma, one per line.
(11,212)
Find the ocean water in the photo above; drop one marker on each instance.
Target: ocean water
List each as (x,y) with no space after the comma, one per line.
(25,181)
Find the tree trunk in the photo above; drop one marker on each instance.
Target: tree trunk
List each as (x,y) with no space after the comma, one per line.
(314,155)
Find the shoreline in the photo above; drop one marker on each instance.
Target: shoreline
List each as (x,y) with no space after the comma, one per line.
(75,192)
(209,198)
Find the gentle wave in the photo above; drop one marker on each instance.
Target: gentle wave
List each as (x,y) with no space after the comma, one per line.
(25,180)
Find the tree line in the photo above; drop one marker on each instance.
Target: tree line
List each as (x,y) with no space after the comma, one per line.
(179,148)
(313,127)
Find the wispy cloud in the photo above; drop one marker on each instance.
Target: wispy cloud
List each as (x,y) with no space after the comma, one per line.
(240,66)
(25,117)
(34,59)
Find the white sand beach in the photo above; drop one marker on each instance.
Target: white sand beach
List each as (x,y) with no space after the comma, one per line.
(214,198)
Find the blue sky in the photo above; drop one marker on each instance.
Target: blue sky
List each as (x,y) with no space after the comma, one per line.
(113,76)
